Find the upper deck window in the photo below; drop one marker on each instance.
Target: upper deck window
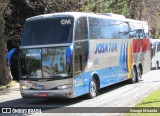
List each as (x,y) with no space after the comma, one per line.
(48,31)
(81,30)
(107,29)
(136,31)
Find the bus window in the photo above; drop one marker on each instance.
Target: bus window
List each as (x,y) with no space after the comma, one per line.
(123,30)
(48,31)
(78,67)
(136,31)
(80,57)
(81,31)
(139,33)
(132,32)
(100,29)
(158,47)
(107,29)
(113,29)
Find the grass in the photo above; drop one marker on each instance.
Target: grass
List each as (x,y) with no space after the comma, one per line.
(153,100)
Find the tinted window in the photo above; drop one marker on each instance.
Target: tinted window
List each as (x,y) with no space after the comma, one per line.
(47,31)
(31,63)
(77,67)
(81,31)
(107,29)
(136,31)
(123,30)
(44,63)
(158,47)
(54,62)
(80,56)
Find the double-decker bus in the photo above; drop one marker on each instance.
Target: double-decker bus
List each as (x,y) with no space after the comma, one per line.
(155,53)
(72,53)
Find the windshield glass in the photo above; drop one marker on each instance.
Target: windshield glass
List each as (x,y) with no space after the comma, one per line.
(45,63)
(47,31)
(31,63)
(54,62)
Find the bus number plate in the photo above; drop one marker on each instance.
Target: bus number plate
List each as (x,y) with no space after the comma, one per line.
(43,94)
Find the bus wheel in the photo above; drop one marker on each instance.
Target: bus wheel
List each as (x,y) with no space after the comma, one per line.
(24,97)
(134,75)
(157,65)
(93,89)
(139,76)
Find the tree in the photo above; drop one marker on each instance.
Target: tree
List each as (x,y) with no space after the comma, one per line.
(106,6)
(135,8)
(152,15)
(5,75)
(147,10)
(19,10)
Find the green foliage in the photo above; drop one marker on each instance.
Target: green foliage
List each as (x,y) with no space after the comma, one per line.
(19,10)
(106,6)
(157,35)
(151,101)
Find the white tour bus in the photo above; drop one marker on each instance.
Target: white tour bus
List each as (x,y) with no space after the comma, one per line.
(71,54)
(155,53)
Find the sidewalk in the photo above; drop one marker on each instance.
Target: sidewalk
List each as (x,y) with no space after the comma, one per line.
(12,86)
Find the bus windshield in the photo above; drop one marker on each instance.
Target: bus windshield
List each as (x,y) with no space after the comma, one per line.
(44,63)
(47,31)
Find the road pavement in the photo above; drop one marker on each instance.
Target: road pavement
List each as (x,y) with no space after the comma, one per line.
(118,95)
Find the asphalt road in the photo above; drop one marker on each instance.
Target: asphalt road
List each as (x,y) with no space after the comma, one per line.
(119,95)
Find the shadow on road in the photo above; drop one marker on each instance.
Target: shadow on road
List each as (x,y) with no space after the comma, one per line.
(154,68)
(150,102)
(52,103)
(113,87)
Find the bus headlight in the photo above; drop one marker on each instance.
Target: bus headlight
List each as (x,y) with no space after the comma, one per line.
(64,87)
(24,87)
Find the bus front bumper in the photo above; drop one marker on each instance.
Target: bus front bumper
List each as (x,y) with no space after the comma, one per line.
(47,93)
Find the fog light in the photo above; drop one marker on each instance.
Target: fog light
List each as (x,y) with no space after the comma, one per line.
(24,87)
(64,87)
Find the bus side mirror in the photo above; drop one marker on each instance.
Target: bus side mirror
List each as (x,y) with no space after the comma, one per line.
(69,56)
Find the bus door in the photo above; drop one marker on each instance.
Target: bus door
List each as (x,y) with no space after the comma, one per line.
(80,55)
(80,61)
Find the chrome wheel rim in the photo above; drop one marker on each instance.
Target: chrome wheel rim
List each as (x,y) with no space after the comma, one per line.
(156,66)
(93,88)
(134,75)
(139,74)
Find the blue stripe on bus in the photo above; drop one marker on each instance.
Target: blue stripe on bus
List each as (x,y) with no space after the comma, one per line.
(107,77)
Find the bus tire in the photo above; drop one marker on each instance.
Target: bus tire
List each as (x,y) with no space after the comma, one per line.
(139,74)
(93,89)
(134,75)
(24,97)
(157,65)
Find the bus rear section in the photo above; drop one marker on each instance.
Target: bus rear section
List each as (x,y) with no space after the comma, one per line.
(155,53)
(119,50)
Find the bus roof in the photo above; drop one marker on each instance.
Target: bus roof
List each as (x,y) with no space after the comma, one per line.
(74,14)
(80,14)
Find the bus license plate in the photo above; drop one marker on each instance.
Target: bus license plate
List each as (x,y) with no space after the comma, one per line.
(43,94)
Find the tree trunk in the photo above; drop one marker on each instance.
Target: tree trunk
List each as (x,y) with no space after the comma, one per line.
(153,33)
(5,75)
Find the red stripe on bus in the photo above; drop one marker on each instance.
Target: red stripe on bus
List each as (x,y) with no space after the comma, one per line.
(141,45)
